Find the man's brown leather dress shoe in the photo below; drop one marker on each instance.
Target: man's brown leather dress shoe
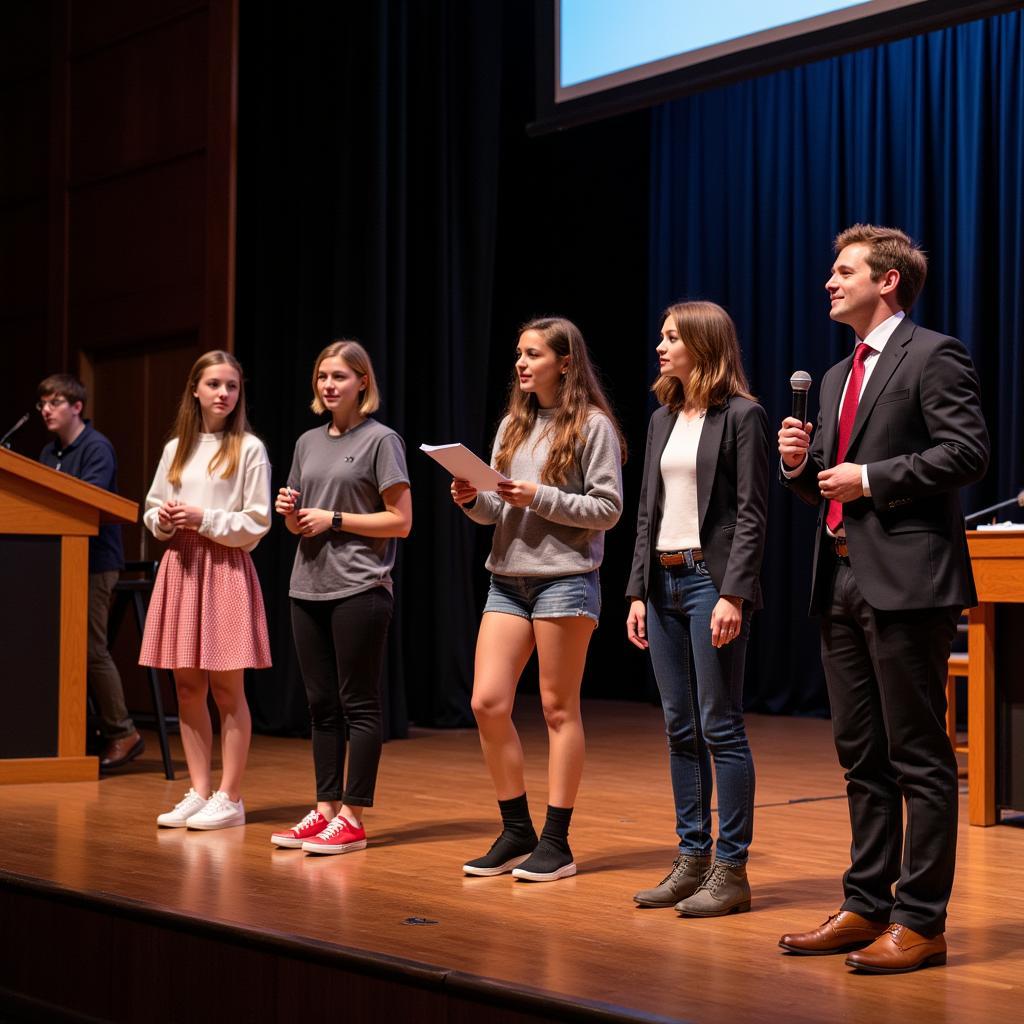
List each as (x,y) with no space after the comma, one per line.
(842,931)
(898,950)
(121,751)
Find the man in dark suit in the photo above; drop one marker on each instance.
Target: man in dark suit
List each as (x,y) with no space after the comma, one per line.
(900,430)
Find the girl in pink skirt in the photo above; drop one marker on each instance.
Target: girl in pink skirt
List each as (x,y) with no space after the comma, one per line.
(210,500)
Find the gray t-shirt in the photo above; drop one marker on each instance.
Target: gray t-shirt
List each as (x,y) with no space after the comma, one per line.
(345,474)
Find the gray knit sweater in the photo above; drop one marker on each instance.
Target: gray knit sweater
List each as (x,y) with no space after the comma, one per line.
(562,532)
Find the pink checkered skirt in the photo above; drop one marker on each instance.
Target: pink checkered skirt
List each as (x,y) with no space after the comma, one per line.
(206,610)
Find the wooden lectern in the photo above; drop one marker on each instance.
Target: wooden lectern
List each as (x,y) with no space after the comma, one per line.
(46,520)
(997,558)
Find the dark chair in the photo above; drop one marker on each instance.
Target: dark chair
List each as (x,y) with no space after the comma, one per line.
(134,589)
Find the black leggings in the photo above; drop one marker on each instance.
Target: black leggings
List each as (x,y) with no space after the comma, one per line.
(340,645)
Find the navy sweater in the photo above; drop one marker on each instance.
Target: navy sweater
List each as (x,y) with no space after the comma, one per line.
(91,458)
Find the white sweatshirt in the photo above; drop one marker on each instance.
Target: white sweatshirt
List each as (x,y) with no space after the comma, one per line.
(236,511)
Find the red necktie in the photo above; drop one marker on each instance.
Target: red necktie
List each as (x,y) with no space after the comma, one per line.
(834,513)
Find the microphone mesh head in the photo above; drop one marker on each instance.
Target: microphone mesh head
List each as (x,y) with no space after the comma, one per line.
(800,381)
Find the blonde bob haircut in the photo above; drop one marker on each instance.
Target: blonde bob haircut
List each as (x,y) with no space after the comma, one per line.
(358,361)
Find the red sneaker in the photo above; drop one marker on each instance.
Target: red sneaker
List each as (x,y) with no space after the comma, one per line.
(340,836)
(311,825)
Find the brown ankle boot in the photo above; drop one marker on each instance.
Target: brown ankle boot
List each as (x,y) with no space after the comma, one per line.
(725,890)
(686,875)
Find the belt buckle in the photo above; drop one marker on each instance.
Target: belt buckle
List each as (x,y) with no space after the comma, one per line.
(841,547)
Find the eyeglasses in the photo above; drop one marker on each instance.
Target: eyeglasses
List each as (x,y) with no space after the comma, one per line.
(50,403)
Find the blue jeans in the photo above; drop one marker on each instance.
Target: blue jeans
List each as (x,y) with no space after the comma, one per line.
(702,696)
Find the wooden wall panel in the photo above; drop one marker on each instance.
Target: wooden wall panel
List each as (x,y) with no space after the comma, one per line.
(24,257)
(25,44)
(25,40)
(24,136)
(99,24)
(141,101)
(137,254)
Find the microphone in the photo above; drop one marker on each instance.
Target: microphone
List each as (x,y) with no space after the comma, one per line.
(5,440)
(981,513)
(800,383)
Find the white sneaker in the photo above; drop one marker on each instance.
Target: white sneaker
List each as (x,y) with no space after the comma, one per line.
(177,818)
(220,811)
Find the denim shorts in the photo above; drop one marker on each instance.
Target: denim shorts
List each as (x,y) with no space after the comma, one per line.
(546,597)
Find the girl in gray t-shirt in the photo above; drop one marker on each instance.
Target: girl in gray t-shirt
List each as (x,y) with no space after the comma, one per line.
(348,500)
(561,447)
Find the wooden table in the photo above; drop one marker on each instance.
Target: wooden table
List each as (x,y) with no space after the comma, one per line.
(998,563)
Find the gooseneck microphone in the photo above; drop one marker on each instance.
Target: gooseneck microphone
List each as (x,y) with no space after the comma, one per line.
(800,383)
(981,513)
(5,440)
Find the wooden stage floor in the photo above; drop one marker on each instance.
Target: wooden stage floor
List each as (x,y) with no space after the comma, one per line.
(580,940)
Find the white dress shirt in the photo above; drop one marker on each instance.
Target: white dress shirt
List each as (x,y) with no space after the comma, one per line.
(876,340)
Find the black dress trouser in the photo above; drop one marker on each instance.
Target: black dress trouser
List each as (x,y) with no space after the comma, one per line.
(886,676)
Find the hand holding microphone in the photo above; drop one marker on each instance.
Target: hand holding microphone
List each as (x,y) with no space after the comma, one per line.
(795,434)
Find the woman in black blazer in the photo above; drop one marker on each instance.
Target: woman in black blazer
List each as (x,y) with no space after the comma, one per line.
(693,587)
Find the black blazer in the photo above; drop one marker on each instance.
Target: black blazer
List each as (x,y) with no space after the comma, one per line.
(921,433)
(732,498)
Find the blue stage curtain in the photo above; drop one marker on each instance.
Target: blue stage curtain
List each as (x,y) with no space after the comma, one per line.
(751,183)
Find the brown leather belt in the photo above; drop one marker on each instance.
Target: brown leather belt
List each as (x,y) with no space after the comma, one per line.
(687,557)
(841,548)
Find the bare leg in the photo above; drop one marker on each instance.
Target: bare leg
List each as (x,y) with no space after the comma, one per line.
(353,812)
(236,728)
(196,727)
(503,647)
(562,653)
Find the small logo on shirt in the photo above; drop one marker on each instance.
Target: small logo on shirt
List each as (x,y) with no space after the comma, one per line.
(350,458)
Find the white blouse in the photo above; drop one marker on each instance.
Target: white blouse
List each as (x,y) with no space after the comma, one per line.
(236,511)
(680,528)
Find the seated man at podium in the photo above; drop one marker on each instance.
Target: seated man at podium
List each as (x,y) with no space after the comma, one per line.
(83,452)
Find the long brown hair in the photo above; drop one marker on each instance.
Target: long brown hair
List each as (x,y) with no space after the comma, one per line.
(188,424)
(709,335)
(579,392)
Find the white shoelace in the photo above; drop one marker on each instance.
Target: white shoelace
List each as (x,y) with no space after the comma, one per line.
(218,802)
(308,820)
(336,825)
(189,798)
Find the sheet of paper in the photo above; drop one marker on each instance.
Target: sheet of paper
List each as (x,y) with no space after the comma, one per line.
(461,462)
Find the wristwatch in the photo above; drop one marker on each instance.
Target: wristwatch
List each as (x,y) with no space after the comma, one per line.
(336,521)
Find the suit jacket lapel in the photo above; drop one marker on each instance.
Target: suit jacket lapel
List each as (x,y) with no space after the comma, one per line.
(662,430)
(708,448)
(890,357)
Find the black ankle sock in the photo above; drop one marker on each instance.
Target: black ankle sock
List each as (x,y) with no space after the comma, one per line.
(515,817)
(556,828)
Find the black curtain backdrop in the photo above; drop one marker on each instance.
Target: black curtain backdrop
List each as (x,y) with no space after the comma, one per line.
(388,191)
(751,183)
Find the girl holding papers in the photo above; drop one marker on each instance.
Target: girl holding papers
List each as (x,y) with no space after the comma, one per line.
(348,500)
(693,586)
(562,450)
